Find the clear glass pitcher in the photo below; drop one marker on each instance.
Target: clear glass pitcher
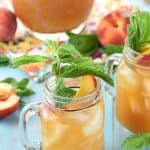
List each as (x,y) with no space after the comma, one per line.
(131,95)
(78,125)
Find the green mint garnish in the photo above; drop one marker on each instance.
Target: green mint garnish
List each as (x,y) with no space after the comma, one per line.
(139,30)
(136,142)
(26,59)
(67,62)
(62,90)
(85,67)
(20,86)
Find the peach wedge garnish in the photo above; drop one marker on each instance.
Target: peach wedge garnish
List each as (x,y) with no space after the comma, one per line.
(87,85)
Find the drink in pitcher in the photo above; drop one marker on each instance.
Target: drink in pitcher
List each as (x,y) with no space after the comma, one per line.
(51,16)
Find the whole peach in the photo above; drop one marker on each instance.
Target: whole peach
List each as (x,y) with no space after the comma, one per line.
(8,24)
(112,29)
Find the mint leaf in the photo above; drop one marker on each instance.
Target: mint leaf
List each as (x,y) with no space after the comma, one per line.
(89,67)
(55,68)
(111,49)
(26,59)
(86,44)
(62,90)
(136,142)
(68,51)
(139,30)
(52,45)
(23,83)
(76,61)
(24,91)
(4,60)
(11,81)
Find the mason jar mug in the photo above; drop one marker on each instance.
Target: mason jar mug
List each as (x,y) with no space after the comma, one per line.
(78,125)
(132,94)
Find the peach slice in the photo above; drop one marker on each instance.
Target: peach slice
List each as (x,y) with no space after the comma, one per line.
(145,49)
(87,85)
(5,91)
(144,59)
(9,106)
(3,96)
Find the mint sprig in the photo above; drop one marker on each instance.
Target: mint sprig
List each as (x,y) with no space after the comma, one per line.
(74,64)
(67,62)
(136,142)
(139,30)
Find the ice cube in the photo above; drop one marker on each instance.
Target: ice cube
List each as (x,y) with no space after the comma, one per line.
(128,77)
(147,103)
(146,87)
(94,123)
(80,116)
(56,134)
(136,104)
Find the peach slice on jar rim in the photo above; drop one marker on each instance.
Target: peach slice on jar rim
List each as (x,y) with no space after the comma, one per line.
(145,48)
(87,85)
(143,61)
(144,58)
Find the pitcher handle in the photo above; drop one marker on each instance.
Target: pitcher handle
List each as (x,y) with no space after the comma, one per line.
(27,112)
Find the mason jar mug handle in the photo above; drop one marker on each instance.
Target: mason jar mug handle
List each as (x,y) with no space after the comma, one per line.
(28,111)
(111,65)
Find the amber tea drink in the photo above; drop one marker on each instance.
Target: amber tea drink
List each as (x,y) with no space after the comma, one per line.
(51,16)
(133,94)
(72,110)
(77,125)
(133,77)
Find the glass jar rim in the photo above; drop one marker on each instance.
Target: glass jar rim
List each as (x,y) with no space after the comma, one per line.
(74,100)
(132,56)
